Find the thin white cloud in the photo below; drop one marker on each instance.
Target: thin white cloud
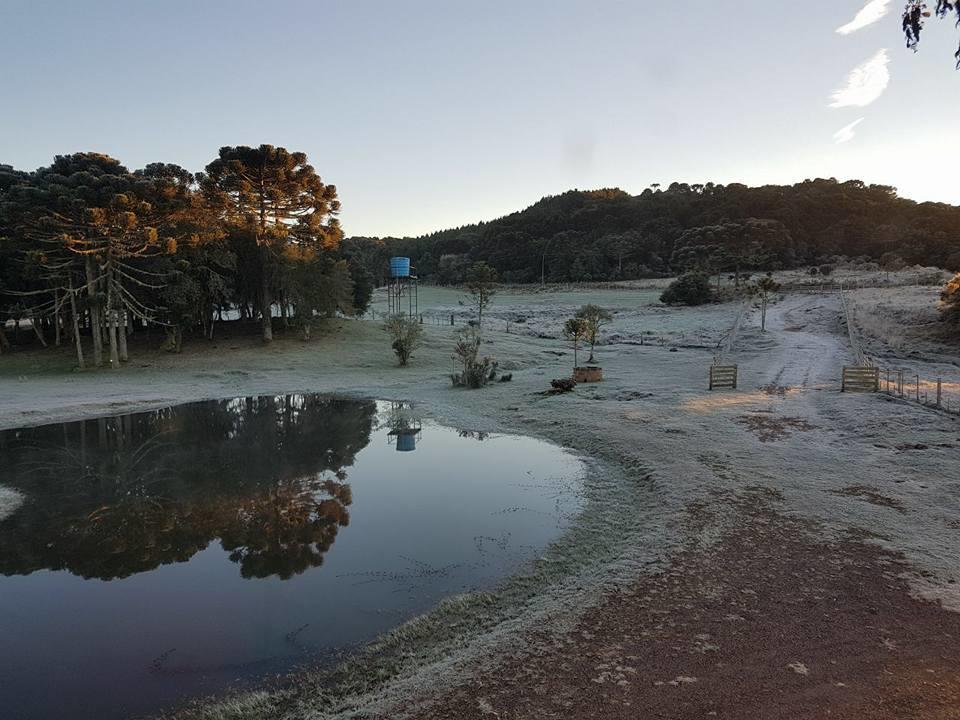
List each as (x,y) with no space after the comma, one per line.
(871,12)
(865,83)
(846,134)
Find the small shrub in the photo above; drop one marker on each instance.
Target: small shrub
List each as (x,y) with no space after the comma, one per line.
(405,333)
(688,289)
(563,385)
(950,301)
(826,269)
(477,371)
(507,377)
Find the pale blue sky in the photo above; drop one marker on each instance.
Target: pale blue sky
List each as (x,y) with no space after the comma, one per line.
(429,114)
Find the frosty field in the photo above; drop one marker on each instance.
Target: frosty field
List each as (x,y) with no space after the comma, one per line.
(671,466)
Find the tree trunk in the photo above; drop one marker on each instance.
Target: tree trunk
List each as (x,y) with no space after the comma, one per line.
(4,343)
(56,317)
(76,327)
(112,334)
(95,322)
(38,330)
(266,304)
(266,301)
(266,310)
(123,336)
(205,320)
(112,326)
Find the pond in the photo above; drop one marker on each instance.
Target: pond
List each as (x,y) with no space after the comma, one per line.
(171,554)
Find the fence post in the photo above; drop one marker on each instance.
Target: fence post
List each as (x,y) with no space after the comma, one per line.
(451,319)
(918,388)
(939,391)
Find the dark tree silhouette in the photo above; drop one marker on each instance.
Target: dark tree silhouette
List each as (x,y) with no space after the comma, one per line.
(917,11)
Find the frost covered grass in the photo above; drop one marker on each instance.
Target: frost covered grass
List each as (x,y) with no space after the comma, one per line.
(655,441)
(638,315)
(901,330)
(10,500)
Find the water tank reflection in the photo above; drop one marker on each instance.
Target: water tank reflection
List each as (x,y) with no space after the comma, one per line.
(406,428)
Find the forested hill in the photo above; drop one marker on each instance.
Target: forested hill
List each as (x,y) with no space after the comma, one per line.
(609,234)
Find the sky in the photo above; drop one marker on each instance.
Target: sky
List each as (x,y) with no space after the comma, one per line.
(428,114)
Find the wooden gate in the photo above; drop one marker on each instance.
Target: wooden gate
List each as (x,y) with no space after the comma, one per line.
(723,377)
(860,378)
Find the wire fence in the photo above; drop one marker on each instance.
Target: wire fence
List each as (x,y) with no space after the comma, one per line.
(937,393)
(727,341)
(932,392)
(855,347)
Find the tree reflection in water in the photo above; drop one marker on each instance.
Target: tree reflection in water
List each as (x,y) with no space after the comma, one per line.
(116,496)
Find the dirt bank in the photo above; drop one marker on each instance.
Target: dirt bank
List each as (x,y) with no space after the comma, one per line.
(768,622)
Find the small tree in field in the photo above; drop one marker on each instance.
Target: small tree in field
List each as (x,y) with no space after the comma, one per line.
(575,330)
(477,370)
(594,318)
(481,282)
(405,332)
(763,288)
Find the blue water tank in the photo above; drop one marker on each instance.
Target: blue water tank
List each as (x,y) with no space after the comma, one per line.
(399,267)
(406,442)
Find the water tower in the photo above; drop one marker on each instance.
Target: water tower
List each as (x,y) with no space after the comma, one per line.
(402,288)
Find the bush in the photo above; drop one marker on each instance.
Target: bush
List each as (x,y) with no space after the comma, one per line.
(826,269)
(477,371)
(405,333)
(563,385)
(688,289)
(950,301)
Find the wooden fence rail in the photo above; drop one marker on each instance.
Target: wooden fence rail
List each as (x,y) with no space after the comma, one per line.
(860,378)
(723,377)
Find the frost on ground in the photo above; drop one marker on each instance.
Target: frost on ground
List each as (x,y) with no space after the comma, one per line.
(638,316)
(10,500)
(662,451)
(901,329)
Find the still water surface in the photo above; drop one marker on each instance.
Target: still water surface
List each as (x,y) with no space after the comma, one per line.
(170,554)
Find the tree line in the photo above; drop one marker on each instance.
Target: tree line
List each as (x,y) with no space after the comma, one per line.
(608,234)
(91,251)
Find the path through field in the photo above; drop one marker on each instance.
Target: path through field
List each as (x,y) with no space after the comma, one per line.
(797,591)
